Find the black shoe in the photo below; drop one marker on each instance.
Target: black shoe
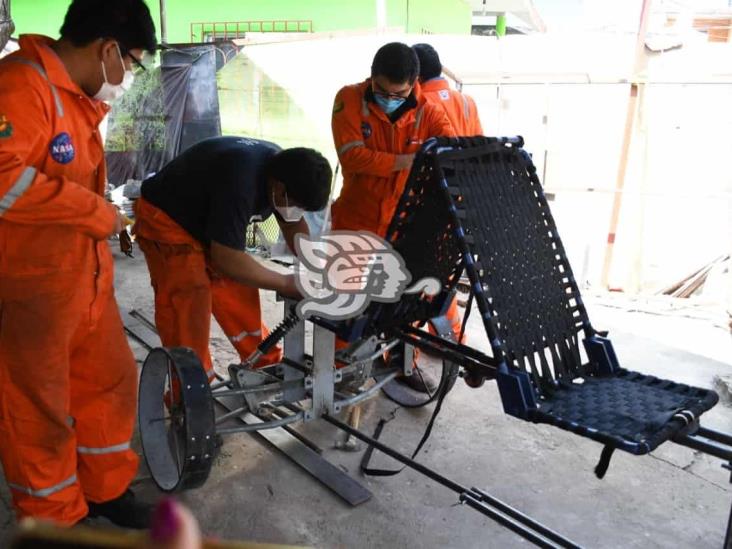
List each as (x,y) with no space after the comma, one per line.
(421,380)
(125,511)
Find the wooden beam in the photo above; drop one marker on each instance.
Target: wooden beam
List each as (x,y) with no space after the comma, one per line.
(638,67)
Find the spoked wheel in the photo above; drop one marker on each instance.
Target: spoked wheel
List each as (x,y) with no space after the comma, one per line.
(177,424)
(443,372)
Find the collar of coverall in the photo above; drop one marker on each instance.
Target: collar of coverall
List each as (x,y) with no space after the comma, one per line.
(409,104)
(435,84)
(40,47)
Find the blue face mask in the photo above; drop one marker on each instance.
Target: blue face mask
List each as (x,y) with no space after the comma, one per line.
(389,105)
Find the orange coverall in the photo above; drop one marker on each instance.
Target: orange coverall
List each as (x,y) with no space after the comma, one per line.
(188,291)
(459,108)
(68,379)
(367,143)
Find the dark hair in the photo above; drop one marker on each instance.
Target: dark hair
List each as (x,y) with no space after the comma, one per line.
(429,61)
(126,21)
(306,175)
(397,62)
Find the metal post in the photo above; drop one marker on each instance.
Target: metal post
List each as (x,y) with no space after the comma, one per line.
(164,24)
(324,376)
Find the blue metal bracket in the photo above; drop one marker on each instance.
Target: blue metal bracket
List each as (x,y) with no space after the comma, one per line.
(600,352)
(517,393)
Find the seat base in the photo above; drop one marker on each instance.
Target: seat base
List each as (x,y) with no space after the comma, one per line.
(628,410)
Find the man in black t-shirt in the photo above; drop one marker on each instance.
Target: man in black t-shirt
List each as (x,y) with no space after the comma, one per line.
(191,225)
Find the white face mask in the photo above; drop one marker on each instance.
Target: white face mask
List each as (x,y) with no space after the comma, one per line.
(290,214)
(111,92)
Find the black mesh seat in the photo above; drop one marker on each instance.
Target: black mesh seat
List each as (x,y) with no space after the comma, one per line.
(478,204)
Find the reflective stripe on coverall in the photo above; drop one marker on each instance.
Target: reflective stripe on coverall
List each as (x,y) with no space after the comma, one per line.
(459,108)
(188,291)
(68,379)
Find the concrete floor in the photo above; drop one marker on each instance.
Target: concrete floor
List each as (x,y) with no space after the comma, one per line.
(673,498)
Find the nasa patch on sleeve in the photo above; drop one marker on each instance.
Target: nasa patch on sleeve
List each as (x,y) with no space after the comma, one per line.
(62,149)
(444,95)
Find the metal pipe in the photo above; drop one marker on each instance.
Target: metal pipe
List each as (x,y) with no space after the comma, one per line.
(262,426)
(377,354)
(711,434)
(231,414)
(514,525)
(706,446)
(362,396)
(299,436)
(518,515)
(466,496)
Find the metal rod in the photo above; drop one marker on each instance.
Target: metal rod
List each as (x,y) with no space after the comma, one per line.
(454,486)
(711,434)
(219,384)
(465,494)
(276,387)
(262,426)
(706,446)
(299,436)
(377,354)
(371,390)
(518,515)
(514,525)
(231,414)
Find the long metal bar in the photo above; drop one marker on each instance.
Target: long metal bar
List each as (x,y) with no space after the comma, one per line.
(262,426)
(237,412)
(706,446)
(711,434)
(299,436)
(507,522)
(489,371)
(513,523)
(370,391)
(518,515)
(277,387)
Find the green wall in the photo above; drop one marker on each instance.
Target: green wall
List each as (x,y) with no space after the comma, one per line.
(432,16)
(436,16)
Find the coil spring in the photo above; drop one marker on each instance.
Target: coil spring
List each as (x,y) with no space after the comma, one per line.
(287,324)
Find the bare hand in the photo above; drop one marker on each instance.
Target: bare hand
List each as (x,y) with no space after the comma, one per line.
(290,288)
(403,162)
(120,223)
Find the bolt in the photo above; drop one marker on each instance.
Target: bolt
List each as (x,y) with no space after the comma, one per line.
(193,439)
(188,387)
(206,456)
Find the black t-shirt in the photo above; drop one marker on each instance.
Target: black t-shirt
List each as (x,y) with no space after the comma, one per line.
(214,189)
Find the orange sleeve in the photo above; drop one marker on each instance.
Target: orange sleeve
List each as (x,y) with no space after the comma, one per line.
(27,195)
(438,124)
(354,155)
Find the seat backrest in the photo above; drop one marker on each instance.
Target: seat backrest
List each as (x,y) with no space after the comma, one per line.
(524,287)
(422,230)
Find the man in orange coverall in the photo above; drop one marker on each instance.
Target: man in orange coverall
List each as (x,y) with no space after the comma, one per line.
(191,224)
(68,380)
(459,108)
(378,126)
